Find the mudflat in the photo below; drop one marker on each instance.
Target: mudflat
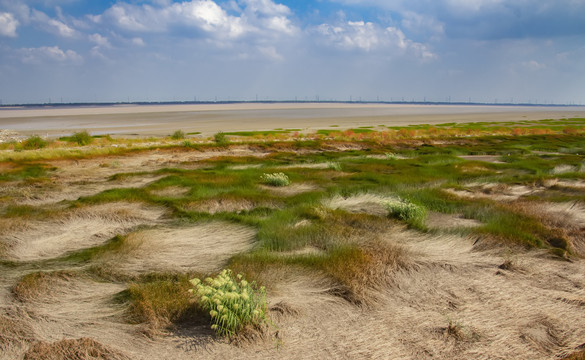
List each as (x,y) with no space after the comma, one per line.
(162,120)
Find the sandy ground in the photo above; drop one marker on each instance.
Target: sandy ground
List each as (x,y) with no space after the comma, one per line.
(162,120)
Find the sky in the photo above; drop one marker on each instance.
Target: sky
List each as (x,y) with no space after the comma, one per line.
(504,51)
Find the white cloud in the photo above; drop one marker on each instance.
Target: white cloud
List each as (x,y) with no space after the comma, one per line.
(8,24)
(533,65)
(367,36)
(210,17)
(265,7)
(53,26)
(99,40)
(49,53)
(270,52)
(263,18)
(138,41)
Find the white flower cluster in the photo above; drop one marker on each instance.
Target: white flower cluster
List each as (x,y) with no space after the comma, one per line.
(231,301)
(275,179)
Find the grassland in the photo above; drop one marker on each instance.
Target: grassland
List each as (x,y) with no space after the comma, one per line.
(101,237)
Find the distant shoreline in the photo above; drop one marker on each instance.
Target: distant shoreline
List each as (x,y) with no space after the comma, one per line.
(207,118)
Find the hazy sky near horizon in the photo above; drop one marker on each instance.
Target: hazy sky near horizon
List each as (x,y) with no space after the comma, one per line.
(162,50)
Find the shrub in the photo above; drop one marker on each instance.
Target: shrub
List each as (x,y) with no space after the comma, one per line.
(81,138)
(178,135)
(232,302)
(275,179)
(413,214)
(34,142)
(220,139)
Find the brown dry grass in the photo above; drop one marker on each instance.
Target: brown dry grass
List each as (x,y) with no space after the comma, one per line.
(82,349)
(36,284)
(74,229)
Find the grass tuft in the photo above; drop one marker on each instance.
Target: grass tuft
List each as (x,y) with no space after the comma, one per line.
(413,214)
(275,179)
(178,135)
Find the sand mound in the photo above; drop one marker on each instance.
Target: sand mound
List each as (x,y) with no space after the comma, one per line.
(82,228)
(203,248)
(362,203)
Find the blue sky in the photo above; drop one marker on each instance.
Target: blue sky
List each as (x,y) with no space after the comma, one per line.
(163,50)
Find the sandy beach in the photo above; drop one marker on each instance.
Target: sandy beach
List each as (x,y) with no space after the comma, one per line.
(207,119)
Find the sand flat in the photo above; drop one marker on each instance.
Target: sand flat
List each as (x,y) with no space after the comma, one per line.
(161,120)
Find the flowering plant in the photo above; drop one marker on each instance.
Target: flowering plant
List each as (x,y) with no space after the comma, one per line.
(232,302)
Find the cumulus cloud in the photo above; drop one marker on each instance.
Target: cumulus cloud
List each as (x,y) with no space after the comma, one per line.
(99,40)
(49,53)
(367,36)
(253,16)
(53,26)
(8,24)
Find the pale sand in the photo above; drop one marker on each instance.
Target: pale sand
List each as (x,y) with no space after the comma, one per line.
(161,120)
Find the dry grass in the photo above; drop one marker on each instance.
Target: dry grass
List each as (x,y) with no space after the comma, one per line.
(37,284)
(76,229)
(82,349)
(203,247)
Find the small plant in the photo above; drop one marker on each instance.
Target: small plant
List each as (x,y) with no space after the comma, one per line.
(413,214)
(275,179)
(391,156)
(178,135)
(81,138)
(232,302)
(221,139)
(34,142)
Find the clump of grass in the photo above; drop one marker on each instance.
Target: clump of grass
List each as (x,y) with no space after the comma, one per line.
(34,142)
(37,283)
(275,179)
(82,138)
(334,166)
(178,135)
(221,139)
(157,301)
(232,302)
(402,209)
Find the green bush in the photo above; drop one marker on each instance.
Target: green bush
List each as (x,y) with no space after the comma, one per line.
(34,142)
(178,135)
(412,214)
(275,179)
(232,302)
(221,139)
(81,138)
